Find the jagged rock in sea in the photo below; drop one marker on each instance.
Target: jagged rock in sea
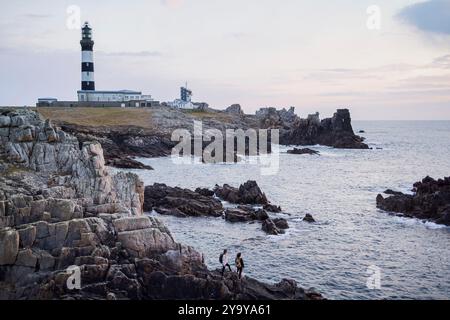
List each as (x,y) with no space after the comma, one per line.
(63,214)
(309,218)
(303,151)
(180,202)
(247,193)
(270,227)
(272,208)
(245,214)
(336,132)
(430,201)
(126,163)
(281,223)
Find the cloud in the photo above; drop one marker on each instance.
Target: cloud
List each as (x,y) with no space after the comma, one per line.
(236,35)
(442,62)
(139,54)
(37,16)
(173,4)
(431,16)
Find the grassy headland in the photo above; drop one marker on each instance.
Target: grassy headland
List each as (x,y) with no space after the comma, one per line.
(93,117)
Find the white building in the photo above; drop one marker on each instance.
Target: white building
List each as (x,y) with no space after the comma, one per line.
(185,101)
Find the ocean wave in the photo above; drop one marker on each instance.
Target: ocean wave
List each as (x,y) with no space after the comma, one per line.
(414,222)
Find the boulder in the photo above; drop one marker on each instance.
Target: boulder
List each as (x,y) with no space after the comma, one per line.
(140,243)
(248,193)
(238,215)
(171,212)
(9,246)
(26,258)
(303,151)
(272,208)
(5,121)
(46,261)
(61,209)
(132,223)
(180,202)
(235,109)
(392,192)
(126,163)
(281,223)
(309,218)
(205,192)
(27,236)
(269,227)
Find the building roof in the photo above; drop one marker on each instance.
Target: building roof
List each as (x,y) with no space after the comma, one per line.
(111,92)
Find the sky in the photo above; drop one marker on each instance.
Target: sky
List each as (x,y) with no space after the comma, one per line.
(382,59)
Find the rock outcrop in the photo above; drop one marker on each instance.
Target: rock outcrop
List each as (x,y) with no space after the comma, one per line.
(235,109)
(180,202)
(247,193)
(309,218)
(71,230)
(245,214)
(249,196)
(123,143)
(63,169)
(273,118)
(303,151)
(203,202)
(336,132)
(430,201)
(126,163)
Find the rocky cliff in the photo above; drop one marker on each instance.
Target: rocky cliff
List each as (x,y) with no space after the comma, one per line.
(124,141)
(63,214)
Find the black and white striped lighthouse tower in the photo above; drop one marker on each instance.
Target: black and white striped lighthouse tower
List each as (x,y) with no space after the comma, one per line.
(87,58)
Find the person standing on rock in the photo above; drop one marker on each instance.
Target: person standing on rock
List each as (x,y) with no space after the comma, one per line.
(239,264)
(224,261)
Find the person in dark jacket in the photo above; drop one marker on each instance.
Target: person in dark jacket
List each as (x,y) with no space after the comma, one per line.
(239,264)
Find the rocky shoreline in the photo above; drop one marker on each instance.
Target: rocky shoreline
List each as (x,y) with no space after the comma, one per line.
(430,201)
(122,143)
(60,207)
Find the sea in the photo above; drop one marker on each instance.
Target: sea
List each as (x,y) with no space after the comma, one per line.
(354,250)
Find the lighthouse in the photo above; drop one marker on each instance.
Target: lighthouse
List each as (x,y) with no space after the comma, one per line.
(87,59)
(89,96)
